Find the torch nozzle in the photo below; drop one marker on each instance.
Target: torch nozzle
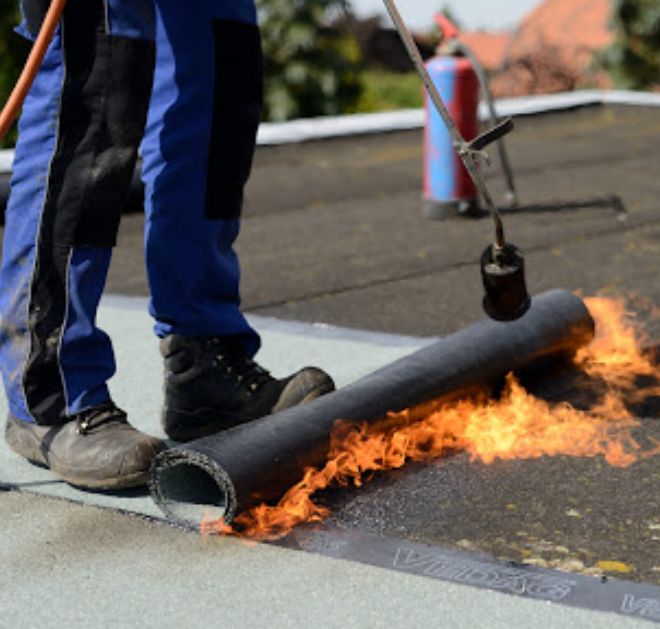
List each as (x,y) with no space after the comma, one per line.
(503,276)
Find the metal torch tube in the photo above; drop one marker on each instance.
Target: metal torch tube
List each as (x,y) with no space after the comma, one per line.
(229,472)
(470,162)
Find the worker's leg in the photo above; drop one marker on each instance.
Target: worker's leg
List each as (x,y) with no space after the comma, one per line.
(197,152)
(79,132)
(198,149)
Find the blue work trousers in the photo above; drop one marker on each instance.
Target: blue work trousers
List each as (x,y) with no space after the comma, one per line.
(184,78)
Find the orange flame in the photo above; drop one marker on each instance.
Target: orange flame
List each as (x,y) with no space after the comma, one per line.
(616,354)
(515,426)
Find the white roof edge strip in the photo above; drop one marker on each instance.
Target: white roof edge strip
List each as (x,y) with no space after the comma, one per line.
(327,127)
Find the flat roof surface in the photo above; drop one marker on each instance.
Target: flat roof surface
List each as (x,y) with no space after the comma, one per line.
(333,234)
(347,214)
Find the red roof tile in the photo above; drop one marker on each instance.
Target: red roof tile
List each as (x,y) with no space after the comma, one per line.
(554,48)
(573,26)
(490,48)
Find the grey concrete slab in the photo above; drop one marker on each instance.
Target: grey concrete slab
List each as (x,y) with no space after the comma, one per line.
(72,566)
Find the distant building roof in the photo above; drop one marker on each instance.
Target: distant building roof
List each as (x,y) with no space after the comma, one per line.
(490,48)
(554,47)
(571,25)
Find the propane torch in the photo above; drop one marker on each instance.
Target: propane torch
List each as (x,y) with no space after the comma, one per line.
(502,264)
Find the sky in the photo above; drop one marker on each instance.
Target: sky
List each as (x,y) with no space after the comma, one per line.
(473,14)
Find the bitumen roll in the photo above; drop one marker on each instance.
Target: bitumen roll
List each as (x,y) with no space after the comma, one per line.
(224,474)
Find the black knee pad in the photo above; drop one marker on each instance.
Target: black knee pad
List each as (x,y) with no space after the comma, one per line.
(120,82)
(105,99)
(238,96)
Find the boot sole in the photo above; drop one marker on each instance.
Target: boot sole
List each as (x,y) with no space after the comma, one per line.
(205,426)
(108,484)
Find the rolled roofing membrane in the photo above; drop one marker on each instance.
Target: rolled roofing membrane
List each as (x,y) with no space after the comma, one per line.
(224,474)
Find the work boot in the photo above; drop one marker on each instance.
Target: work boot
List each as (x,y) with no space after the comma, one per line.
(95,449)
(211,385)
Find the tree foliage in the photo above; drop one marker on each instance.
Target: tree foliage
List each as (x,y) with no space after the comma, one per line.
(13,52)
(311,69)
(633,60)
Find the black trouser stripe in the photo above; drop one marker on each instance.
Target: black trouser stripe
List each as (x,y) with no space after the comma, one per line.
(238,94)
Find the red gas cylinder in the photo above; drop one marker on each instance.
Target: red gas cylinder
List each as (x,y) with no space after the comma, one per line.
(447,184)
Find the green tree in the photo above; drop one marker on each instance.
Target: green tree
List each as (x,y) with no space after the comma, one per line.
(633,60)
(13,52)
(311,69)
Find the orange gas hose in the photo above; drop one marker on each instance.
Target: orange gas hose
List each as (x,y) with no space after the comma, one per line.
(32,65)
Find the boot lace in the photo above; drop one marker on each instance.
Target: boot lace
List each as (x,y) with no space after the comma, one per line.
(93,418)
(229,356)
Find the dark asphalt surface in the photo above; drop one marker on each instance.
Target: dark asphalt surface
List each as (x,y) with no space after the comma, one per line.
(565,513)
(333,232)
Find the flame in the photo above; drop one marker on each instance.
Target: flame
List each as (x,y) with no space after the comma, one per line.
(515,426)
(616,355)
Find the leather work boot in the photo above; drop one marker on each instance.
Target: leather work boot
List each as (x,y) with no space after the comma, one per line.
(96,449)
(211,385)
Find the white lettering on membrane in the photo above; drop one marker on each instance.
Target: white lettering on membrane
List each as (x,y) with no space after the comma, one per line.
(548,587)
(645,607)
